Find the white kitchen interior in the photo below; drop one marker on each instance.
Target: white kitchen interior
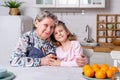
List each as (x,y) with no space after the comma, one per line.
(76,18)
(11,28)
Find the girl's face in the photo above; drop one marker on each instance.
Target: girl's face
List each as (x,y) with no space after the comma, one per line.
(60,34)
(44,28)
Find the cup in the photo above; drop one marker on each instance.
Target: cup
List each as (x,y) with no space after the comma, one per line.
(109,32)
(110,26)
(101,33)
(118,33)
(118,26)
(109,40)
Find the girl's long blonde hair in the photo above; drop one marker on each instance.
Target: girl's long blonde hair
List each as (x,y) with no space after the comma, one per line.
(70,36)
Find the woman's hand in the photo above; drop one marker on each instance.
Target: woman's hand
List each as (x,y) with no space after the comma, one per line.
(82,60)
(52,56)
(45,61)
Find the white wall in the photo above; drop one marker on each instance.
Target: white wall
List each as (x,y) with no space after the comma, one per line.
(72,17)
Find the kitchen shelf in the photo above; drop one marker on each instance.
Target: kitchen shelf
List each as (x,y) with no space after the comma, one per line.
(108,27)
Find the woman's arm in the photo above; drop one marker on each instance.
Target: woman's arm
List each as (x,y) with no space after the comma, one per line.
(82,60)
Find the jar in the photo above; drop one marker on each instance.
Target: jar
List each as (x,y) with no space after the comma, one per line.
(116,76)
(101,26)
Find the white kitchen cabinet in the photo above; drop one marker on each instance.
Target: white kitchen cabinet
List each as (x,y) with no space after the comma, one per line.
(70,3)
(67,3)
(101,58)
(11,28)
(57,3)
(92,3)
(45,3)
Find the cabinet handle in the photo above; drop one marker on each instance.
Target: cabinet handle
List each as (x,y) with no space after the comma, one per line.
(22,28)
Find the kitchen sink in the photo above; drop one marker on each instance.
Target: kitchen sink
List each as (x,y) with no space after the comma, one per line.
(92,44)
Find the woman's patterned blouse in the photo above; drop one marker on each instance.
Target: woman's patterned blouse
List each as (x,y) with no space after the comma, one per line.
(19,56)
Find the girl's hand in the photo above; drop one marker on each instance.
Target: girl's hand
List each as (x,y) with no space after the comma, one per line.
(54,62)
(45,61)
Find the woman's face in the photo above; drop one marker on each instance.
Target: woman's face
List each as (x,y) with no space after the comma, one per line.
(44,28)
(60,34)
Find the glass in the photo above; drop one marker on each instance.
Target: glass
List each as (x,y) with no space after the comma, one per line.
(39,1)
(62,1)
(72,1)
(48,1)
(89,1)
(84,1)
(97,2)
(44,1)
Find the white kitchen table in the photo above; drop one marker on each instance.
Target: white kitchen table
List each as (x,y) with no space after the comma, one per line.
(45,73)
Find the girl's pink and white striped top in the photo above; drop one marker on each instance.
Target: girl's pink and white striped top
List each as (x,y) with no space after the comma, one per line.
(68,58)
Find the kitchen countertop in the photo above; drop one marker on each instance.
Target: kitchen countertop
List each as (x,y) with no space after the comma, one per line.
(103,47)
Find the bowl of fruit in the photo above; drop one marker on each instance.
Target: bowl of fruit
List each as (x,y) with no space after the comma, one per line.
(99,72)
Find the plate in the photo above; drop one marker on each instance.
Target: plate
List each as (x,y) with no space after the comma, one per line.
(3,72)
(88,78)
(8,76)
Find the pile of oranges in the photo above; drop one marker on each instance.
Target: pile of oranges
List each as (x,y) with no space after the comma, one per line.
(102,71)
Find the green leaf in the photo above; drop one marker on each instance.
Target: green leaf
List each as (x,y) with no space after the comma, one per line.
(12,4)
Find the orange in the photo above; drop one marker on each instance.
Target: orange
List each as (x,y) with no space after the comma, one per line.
(114,69)
(95,67)
(89,72)
(86,67)
(104,67)
(109,73)
(100,74)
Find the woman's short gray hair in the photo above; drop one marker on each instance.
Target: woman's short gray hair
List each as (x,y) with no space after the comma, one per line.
(46,14)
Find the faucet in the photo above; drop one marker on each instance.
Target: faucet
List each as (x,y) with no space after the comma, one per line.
(88,32)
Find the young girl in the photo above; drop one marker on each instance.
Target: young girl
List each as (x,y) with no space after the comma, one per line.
(68,48)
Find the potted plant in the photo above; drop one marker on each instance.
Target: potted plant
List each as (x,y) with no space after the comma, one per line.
(13,6)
